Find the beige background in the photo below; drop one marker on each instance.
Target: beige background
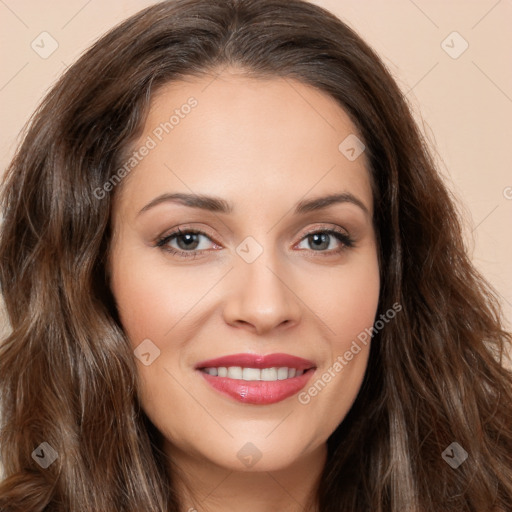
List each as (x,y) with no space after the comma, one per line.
(464,104)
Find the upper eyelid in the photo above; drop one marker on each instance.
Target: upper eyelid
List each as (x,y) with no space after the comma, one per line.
(201,231)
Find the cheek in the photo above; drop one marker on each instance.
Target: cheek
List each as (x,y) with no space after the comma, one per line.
(346,298)
(151,297)
(355,305)
(349,310)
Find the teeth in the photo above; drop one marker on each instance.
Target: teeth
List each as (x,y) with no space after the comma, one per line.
(234,372)
(252,374)
(282,373)
(268,374)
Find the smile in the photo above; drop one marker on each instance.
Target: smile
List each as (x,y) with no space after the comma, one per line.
(255,379)
(254,374)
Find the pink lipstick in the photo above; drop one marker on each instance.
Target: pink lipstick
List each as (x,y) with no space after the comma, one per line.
(257,379)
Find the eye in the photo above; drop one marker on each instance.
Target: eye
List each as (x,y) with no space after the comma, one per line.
(189,242)
(320,240)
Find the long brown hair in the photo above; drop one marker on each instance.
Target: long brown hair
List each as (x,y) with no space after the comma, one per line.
(67,372)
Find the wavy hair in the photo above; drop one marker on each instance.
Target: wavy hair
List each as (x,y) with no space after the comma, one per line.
(67,370)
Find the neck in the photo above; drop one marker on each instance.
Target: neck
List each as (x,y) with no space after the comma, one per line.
(205,486)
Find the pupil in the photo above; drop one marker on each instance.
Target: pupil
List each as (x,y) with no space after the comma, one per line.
(321,238)
(189,239)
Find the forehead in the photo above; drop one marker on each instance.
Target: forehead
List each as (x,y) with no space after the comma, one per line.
(252,140)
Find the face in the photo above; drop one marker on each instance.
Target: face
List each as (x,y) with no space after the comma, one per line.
(243,323)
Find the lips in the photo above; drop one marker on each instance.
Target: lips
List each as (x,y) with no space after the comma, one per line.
(258,361)
(257,379)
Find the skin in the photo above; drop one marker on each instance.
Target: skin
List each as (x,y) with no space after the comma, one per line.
(262,145)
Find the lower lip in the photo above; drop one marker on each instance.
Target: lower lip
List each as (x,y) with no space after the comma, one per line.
(258,392)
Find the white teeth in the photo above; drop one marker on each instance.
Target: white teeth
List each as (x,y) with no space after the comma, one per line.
(255,374)
(269,374)
(235,372)
(251,374)
(282,373)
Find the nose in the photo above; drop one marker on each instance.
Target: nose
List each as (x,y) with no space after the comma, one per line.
(262,296)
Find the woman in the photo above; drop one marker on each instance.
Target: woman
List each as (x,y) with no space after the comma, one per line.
(173,350)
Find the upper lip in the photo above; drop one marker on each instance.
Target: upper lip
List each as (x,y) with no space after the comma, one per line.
(257,361)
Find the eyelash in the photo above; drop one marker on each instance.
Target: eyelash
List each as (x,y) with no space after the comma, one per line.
(346,240)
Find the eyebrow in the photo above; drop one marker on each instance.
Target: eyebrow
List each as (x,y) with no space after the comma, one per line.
(219,205)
